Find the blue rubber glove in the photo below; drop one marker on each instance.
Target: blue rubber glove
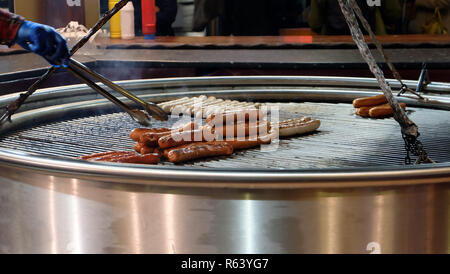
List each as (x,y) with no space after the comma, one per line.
(45,41)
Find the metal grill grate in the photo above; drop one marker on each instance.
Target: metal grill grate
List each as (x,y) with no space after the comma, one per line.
(343,140)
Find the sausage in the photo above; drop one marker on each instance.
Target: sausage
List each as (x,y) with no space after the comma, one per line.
(137,147)
(383,110)
(189,126)
(112,156)
(249,142)
(199,150)
(136,133)
(370,101)
(181,138)
(149,159)
(151,138)
(96,155)
(298,126)
(238,116)
(363,111)
(242,129)
(144,149)
(166,152)
(125,157)
(170,105)
(147,150)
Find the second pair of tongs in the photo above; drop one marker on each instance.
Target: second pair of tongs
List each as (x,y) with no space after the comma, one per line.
(142,118)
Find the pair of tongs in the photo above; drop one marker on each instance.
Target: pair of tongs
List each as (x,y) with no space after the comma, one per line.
(77,69)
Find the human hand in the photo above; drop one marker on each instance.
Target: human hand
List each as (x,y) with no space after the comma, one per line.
(44,41)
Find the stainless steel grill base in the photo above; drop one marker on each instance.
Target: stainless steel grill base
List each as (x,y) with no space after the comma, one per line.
(343,189)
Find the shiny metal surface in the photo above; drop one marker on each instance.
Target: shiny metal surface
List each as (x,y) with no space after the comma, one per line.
(50,214)
(326,148)
(60,205)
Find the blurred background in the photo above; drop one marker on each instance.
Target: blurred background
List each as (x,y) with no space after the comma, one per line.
(250,17)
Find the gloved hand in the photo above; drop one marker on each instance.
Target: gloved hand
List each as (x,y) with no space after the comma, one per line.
(45,41)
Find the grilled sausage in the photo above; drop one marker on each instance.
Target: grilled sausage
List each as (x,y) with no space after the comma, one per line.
(149,159)
(137,147)
(124,157)
(147,150)
(144,149)
(238,116)
(137,133)
(242,129)
(199,150)
(181,138)
(363,111)
(248,142)
(370,101)
(110,157)
(150,139)
(298,126)
(96,155)
(383,110)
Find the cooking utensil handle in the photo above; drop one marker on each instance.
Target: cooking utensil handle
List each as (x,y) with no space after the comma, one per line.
(137,115)
(151,108)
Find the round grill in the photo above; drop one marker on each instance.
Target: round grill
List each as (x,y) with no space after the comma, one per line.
(63,123)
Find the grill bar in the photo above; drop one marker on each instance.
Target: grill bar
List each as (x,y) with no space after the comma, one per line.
(343,139)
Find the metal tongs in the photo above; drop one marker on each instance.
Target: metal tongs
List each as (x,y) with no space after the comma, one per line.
(77,69)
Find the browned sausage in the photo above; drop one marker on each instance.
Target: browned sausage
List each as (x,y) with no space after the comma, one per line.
(149,159)
(144,149)
(112,156)
(370,101)
(158,151)
(151,138)
(363,111)
(136,133)
(248,142)
(176,139)
(137,147)
(383,110)
(189,126)
(238,116)
(242,129)
(199,150)
(147,150)
(96,155)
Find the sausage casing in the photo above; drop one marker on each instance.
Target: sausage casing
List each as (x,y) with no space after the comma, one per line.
(242,129)
(186,137)
(383,110)
(151,138)
(370,101)
(249,142)
(136,133)
(149,159)
(110,157)
(237,116)
(199,150)
(363,111)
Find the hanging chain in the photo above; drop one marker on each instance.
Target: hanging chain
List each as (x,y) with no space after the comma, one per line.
(415,147)
(404,88)
(410,131)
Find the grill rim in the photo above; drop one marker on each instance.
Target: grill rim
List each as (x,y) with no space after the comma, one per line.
(196,177)
(221,178)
